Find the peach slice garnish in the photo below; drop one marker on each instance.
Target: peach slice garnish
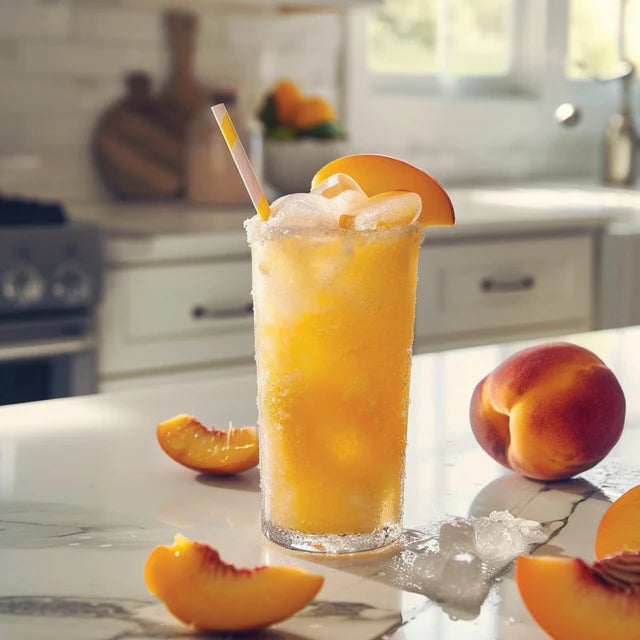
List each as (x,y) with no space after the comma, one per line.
(619,529)
(573,600)
(377,173)
(212,451)
(203,591)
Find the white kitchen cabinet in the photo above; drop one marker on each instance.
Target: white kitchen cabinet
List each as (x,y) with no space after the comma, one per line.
(175,312)
(175,317)
(170,378)
(620,276)
(489,290)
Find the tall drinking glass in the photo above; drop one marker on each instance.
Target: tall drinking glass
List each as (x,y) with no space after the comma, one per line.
(334,315)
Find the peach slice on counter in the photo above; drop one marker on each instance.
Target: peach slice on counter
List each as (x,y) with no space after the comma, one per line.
(573,600)
(203,591)
(211,451)
(619,529)
(377,174)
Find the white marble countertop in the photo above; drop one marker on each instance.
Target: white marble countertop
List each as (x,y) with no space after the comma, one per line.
(143,232)
(86,493)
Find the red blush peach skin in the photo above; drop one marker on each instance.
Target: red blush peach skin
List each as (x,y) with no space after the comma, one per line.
(549,411)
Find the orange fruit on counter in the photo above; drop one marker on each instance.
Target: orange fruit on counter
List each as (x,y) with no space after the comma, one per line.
(211,451)
(312,111)
(619,529)
(377,174)
(287,97)
(203,591)
(573,600)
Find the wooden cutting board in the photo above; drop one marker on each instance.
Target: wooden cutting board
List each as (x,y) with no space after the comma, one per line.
(139,143)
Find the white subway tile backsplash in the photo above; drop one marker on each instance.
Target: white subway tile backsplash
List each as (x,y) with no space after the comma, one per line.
(26,94)
(59,131)
(95,22)
(308,68)
(9,55)
(12,135)
(212,32)
(52,174)
(60,59)
(287,31)
(19,18)
(63,63)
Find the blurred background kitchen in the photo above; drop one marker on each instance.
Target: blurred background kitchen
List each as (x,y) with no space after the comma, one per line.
(123,261)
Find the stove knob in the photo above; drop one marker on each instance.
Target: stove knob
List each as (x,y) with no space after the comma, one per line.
(23,285)
(71,284)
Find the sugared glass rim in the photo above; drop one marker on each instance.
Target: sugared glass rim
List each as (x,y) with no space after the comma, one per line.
(259,230)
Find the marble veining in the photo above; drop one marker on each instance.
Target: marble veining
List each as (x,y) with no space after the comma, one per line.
(138,619)
(86,493)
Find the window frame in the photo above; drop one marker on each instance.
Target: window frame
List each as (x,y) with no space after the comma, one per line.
(455,85)
(537,85)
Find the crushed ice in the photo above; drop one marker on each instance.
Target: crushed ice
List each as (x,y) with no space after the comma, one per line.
(323,207)
(456,563)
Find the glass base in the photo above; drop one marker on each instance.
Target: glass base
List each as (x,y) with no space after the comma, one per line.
(331,542)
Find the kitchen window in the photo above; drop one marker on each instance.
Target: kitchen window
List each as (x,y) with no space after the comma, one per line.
(428,43)
(457,100)
(486,46)
(600,33)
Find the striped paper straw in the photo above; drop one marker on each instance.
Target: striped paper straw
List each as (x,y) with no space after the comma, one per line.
(241,159)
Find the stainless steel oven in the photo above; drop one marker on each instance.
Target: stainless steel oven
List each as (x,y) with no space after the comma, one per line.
(50,283)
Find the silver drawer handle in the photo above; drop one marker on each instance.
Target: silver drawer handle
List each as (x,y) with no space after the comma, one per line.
(525,283)
(200,311)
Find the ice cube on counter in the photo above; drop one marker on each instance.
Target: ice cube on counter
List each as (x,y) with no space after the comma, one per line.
(456,561)
(457,536)
(462,581)
(500,537)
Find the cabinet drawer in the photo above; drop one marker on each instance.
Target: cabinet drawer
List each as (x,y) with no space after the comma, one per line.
(491,287)
(176,315)
(189,300)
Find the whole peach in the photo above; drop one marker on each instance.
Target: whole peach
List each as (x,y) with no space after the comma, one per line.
(549,411)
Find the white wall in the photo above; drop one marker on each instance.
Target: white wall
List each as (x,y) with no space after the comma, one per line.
(62,63)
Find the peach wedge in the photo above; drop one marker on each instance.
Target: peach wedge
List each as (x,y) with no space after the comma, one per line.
(619,529)
(573,600)
(211,451)
(203,591)
(377,174)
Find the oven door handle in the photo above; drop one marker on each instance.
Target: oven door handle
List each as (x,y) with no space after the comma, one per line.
(45,349)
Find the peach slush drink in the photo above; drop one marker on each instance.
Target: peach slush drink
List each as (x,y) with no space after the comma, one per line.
(334,286)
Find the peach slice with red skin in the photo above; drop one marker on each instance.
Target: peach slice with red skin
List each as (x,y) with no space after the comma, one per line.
(573,600)
(619,529)
(211,451)
(377,173)
(203,591)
